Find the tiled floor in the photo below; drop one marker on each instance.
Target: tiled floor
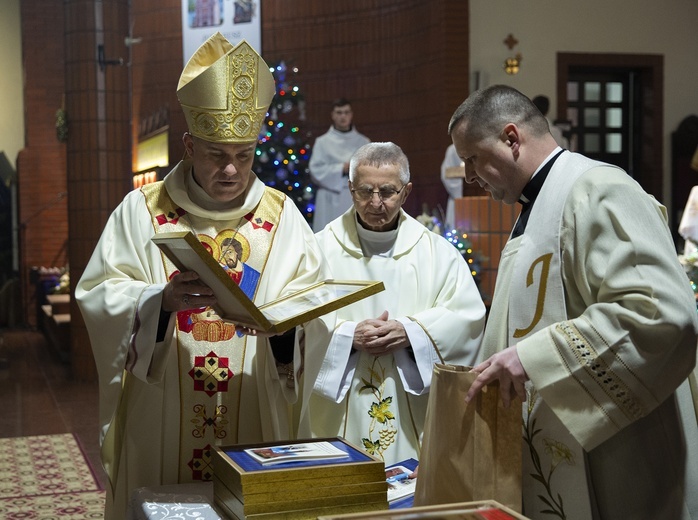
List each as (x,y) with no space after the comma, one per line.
(39,397)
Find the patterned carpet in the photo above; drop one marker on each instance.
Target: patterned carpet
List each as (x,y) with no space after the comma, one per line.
(47,477)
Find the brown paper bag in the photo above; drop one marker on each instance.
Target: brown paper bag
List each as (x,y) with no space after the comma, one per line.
(469,452)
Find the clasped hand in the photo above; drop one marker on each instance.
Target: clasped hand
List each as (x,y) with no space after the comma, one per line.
(380,336)
(505,367)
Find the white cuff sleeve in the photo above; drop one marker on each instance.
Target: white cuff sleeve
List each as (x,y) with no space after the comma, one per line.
(416,374)
(337,371)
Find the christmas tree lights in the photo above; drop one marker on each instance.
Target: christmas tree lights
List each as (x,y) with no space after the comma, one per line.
(283,150)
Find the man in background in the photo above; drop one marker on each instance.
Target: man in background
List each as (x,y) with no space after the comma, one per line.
(374,382)
(453,185)
(329,164)
(175,379)
(593,323)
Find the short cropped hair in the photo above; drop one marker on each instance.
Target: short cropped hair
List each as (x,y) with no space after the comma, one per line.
(340,102)
(488,111)
(380,154)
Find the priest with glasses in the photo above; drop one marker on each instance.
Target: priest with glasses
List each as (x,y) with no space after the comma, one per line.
(373,384)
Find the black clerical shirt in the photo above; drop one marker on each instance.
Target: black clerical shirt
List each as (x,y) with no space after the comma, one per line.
(530,194)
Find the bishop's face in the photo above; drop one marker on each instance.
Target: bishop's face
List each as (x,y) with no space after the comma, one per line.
(223,170)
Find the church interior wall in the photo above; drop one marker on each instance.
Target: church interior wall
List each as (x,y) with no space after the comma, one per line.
(405,64)
(547,27)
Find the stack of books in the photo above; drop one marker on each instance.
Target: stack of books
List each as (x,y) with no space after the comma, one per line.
(297,480)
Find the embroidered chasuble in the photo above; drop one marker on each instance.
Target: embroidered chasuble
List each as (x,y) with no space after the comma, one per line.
(210,354)
(379,402)
(571,295)
(166,401)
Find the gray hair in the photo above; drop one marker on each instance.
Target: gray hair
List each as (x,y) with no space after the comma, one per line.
(380,154)
(488,111)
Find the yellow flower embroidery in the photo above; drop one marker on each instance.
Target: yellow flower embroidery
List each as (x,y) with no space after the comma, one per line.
(381,415)
(381,411)
(559,452)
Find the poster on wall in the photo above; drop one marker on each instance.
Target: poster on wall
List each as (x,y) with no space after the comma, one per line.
(235,19)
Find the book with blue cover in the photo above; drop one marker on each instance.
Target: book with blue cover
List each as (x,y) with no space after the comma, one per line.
(241,470)
(319,475)
(401,484)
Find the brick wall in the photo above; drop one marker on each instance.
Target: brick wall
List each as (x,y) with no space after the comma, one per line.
(41,165)
(403,64)
(156,67)
(99,147)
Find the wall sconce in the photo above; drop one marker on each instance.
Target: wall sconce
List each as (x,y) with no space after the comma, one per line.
(512,63)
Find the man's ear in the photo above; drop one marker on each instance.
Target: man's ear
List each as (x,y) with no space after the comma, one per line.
(511,136)
(188,141)
(408,190)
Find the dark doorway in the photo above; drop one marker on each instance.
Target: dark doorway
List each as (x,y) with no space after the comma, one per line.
(613,103)
(602,111)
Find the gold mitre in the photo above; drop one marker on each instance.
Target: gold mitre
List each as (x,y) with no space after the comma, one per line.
(225,91)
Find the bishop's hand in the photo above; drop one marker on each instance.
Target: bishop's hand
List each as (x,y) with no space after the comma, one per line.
(185,291)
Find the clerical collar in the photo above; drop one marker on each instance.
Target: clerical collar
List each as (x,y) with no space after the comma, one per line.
(376,243)
(531,191)
(351,127)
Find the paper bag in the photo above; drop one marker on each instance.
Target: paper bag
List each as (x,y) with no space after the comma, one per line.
(469,452)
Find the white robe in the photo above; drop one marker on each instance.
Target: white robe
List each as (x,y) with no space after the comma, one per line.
(453,185)
(120,295)
(607,379)
(429,289)
(329,153)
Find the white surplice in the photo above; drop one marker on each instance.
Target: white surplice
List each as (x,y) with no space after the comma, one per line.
(380,403)
(453,185)
(610,426)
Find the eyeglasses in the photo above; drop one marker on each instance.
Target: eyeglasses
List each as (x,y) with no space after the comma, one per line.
(364,194)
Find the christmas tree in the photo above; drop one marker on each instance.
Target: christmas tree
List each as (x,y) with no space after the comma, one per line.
(283,150)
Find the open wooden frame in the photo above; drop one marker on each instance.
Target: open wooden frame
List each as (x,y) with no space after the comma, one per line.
(188,254)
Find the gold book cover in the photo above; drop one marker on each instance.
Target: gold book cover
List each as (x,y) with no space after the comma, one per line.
(283,504)
(244,475)
(233,509)
(311,489)
(186,253)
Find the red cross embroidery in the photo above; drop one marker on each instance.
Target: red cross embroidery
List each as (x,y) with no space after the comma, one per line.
(200,464)
(172,217)
(258,223)
(210,373)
